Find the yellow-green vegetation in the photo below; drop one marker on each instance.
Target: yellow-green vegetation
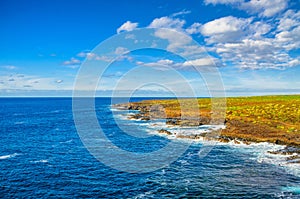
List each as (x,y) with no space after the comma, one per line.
(263,118)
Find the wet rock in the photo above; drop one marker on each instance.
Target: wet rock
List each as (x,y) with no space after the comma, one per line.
(189,122)
(225,140)
(146,118)
(187,136)
(135,116)
(294,157)
(172,121)
(236,142)
(286,151)
(163,131)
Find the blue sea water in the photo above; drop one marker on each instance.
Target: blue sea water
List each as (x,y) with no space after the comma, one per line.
(42,156)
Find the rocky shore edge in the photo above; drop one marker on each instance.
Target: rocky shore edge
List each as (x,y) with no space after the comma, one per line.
(235,130)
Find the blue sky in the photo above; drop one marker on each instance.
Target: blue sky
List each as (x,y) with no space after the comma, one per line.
(254,44)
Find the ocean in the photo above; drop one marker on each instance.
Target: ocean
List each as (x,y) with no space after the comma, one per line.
(42,156)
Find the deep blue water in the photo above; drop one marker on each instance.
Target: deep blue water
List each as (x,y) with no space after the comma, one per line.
(41,155)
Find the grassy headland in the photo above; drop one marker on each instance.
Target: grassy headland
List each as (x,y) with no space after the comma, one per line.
(274,119)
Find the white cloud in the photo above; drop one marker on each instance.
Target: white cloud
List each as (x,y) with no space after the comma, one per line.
(195,28)
(183,12)
(93,56)
(72,61)
(289,20)
(255,44)
(25,82)
(266,8)
(176,39)
(226,2)
(121,50)
(167,22)
(130,36)
(9,67)
(256,54)
(81,54)
(259,28)
(127,26)
(162,65)
(225,29)
(289,39)
(192,50)
(199,62)
(167,64)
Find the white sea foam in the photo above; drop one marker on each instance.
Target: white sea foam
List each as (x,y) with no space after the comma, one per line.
(68,141)
(293,189)
(259,151)
(3,157)
(40,161)
(115,110)
(147,194)
(18,114)
(20,122)
(56,111)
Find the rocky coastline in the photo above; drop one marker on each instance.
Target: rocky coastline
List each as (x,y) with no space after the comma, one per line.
(236,131)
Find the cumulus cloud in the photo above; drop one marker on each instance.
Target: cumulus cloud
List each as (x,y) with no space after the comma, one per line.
(257,42)
(162,65)
(215,2)
(167,22)
(259,28)
(121,50)
(10,67)
(72,61)
(256,54)
(195,28)
(127,26)
(289,20)
(264,8)
(82,54)
(250,43)
(92,56)
(199,62)
(289,39)
(176,40)
(167,64)
(225,29)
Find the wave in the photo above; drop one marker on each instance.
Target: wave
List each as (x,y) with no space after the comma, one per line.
(21,122)
(40,161)
(68,141)
(292,189)
(260,151)
(3,157)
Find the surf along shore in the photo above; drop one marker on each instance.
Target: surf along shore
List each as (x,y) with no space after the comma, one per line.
(273,119)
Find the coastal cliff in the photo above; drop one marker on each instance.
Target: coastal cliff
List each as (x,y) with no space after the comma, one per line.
(274,119)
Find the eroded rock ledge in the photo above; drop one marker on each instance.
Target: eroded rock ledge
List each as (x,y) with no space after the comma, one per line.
(238,128)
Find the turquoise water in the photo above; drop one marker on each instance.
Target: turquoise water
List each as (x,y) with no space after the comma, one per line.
(41,155)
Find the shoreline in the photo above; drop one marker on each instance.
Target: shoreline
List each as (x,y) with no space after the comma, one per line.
(242,126)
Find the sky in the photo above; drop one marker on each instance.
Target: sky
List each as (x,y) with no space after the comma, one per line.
(242,47)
